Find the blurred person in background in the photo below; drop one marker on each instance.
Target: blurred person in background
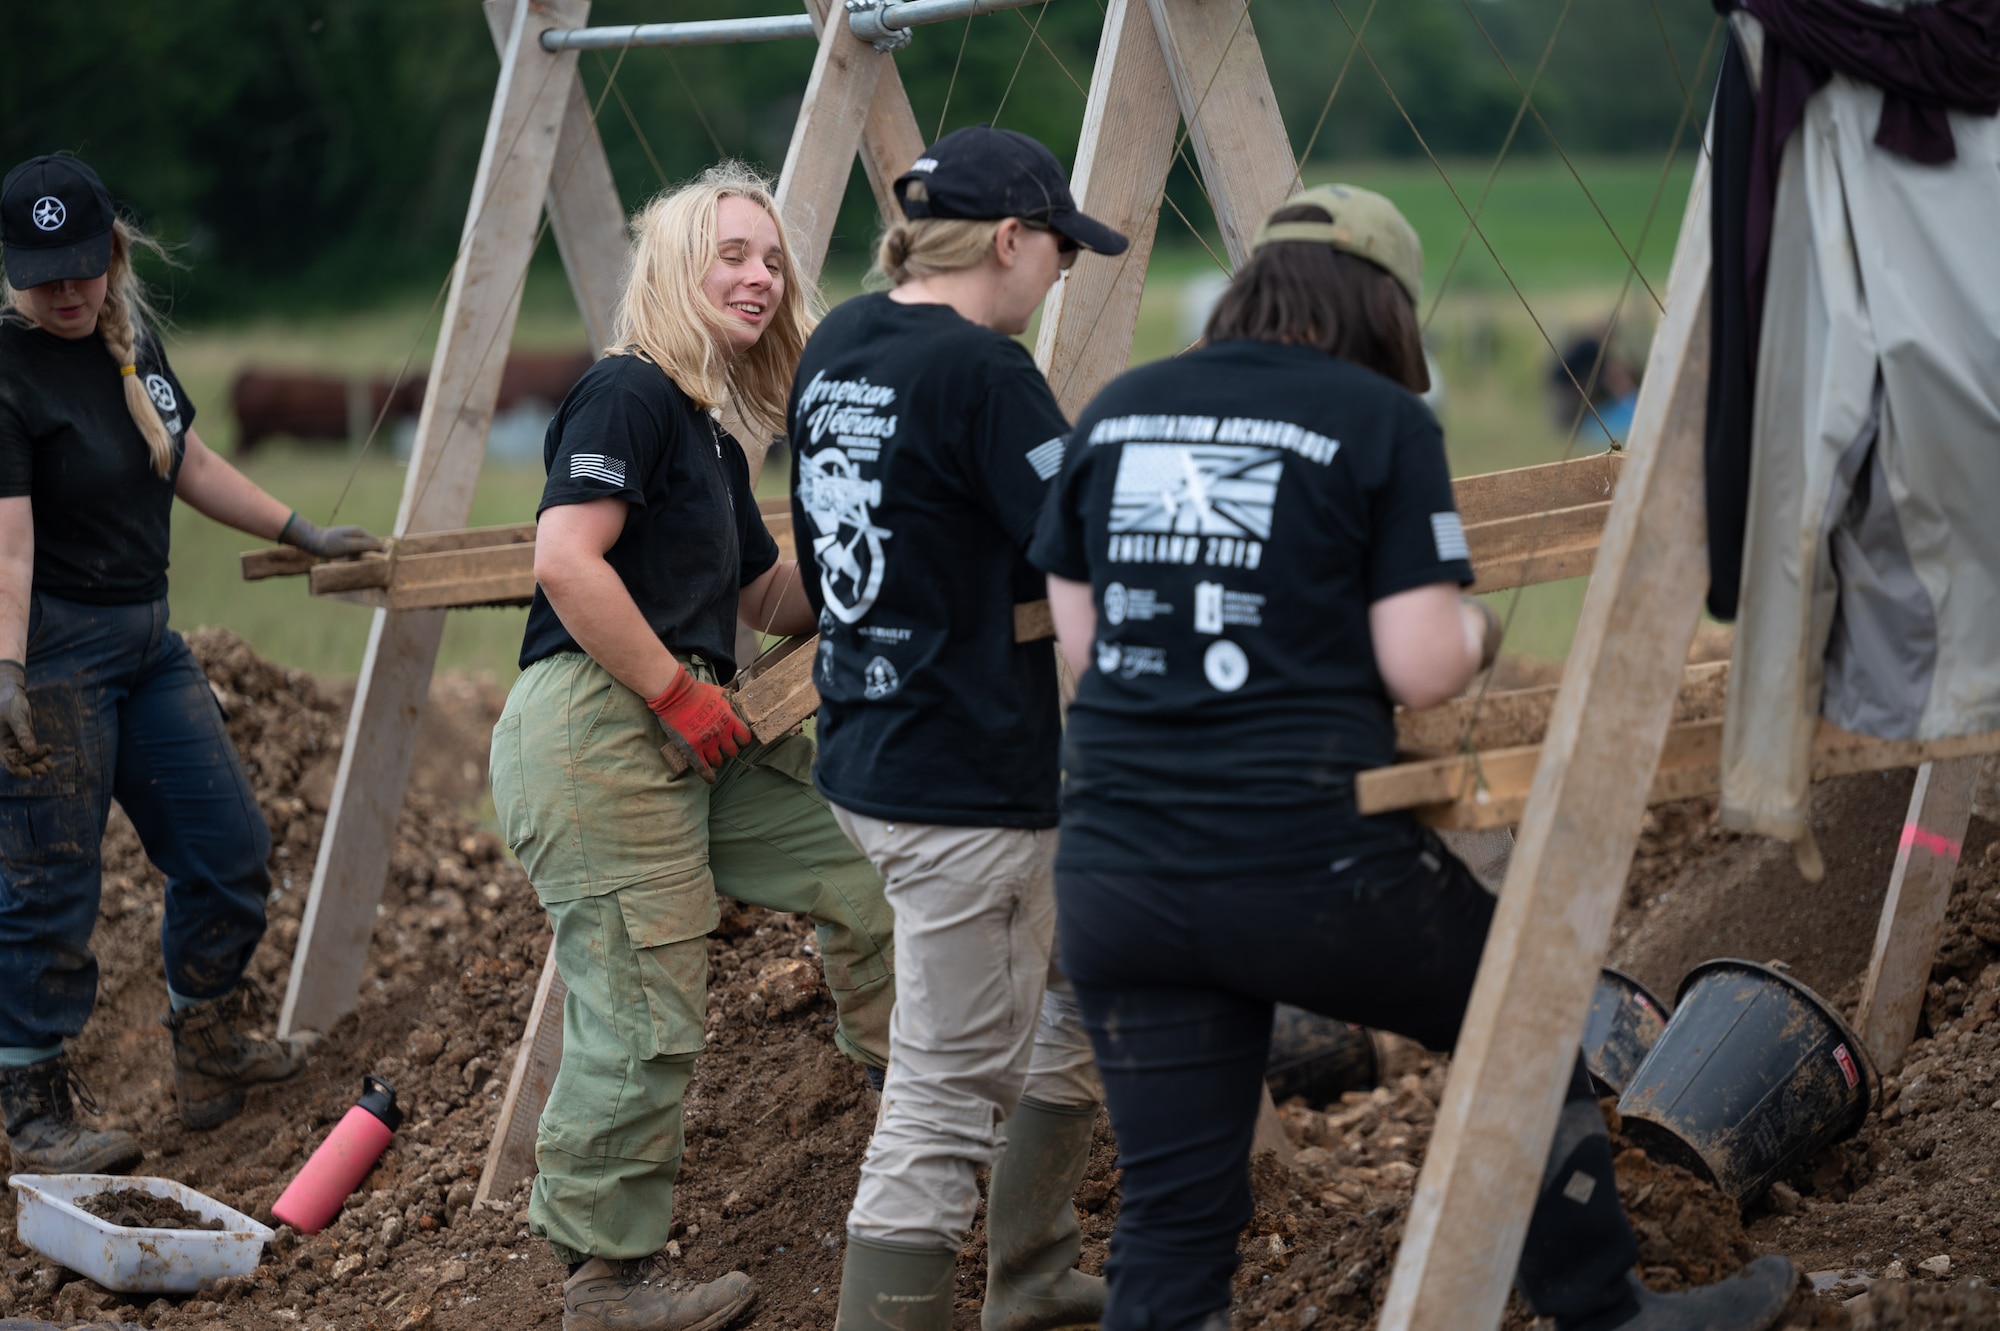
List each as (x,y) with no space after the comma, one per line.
(99,699)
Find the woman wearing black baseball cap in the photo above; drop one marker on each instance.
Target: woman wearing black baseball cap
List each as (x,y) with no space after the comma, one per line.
(99,699)
(923,443)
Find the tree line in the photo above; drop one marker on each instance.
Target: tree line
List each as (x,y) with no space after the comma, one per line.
(321,151)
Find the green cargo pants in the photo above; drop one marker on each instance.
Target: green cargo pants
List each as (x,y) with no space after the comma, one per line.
(627,860)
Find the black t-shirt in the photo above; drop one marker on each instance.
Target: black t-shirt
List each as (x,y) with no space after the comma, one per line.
(1236,510)
(67,441)
(923,446)
(693,537)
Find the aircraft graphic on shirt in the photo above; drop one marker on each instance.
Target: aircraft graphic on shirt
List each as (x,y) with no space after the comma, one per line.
(1196,489)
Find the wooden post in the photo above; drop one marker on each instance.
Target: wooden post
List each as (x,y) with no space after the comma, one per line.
(585,214)
(1906,941)
(891,142)
(1519,1042)
(510,1157)
(1129,125)
(1225,96)
(507,195)
(839,100)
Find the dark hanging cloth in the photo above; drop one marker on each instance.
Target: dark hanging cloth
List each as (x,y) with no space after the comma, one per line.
(1732,346)
(1927,59)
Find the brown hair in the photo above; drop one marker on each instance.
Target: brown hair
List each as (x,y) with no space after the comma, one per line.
(1303,293)
(125,317)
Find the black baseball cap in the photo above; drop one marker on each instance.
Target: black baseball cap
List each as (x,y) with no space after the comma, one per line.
(55,221)
(982,174)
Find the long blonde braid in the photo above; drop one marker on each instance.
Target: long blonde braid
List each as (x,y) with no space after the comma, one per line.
(124,312)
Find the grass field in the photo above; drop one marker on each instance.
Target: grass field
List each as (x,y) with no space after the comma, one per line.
(1494,362)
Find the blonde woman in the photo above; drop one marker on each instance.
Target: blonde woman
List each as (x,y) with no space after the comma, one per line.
(98,697)
(649,550)
(924,441)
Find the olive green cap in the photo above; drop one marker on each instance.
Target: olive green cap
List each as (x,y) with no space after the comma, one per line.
(1364,224)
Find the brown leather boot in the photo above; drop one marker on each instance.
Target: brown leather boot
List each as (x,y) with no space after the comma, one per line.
(640,1295)
(42,1127)
(214,1059)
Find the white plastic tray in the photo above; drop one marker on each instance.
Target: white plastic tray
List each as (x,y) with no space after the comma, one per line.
(133,1261)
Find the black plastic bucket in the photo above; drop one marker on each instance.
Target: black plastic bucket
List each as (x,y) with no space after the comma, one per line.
(1753,1075)
(1625,1021)
(1318,1057)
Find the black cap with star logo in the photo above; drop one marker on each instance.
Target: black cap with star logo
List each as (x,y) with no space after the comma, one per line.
(55,221)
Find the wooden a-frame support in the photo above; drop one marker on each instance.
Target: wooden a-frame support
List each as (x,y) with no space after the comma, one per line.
(1161,62)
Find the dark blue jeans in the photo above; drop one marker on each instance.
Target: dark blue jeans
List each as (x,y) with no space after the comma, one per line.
(1177,979)
(131,716)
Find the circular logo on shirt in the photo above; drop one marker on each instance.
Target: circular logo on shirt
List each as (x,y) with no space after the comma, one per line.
(1225,665)
(1114,603)
(49,213)
(162,392)
(1107,657)
(879,680)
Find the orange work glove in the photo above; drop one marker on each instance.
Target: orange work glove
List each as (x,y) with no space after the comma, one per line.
(700,714)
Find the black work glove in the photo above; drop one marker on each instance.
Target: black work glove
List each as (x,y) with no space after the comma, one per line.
(326,542)
(18,750)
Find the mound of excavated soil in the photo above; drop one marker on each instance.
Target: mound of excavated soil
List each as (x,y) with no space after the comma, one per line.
(776,1121)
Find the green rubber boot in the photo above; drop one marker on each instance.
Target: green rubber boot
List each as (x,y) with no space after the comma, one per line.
(1032,1239)
(895,1287)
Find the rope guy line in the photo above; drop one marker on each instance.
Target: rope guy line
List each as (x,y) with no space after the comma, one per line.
(1474,777)
(952,86)
(1027,46)
(1493,173)
(693,101)
(1556,143)
(1340,79)
(645,144)
(1674,62)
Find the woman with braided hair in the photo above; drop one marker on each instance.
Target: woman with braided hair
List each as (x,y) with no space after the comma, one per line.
(99,699)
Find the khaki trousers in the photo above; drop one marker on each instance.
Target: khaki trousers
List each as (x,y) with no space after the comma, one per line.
(627,860)
(984,1015)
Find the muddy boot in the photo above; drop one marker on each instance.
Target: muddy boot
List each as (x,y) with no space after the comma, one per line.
(895,1287)
(1032,1240)
(1751,1300)
(639,1296)
(42,1126)
(214,1059)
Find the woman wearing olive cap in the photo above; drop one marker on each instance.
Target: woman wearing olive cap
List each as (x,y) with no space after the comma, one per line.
(1253,553)
(99,699)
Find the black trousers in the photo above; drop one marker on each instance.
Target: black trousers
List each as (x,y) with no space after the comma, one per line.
(1177,978)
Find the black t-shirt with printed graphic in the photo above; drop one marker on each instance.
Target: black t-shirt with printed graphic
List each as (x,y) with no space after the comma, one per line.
(923,446)
(693,537)
(1236,510)
(103,516)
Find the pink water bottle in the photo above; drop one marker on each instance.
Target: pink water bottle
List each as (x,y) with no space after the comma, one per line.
(313,1198)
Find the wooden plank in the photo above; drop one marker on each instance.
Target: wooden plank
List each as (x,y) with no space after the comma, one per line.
(1269,1134)
(1906,940)
(510,1156)
(1491,788)
(1494,495)
(1508,718)
(1239,139)
(1462,1239)
(1129,125)
(277,561)
(586,215)
(839,97)
(476,328)
(1535,547)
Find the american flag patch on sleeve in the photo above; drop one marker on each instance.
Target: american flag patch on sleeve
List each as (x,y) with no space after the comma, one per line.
(1449,534)
(1047,458)
(596,467)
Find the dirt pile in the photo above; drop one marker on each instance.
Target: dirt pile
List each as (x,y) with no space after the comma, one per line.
(777,1121)
(141,1210)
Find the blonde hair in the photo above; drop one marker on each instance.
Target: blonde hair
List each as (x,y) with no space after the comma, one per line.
(665,315)
(126,315)
(926,246)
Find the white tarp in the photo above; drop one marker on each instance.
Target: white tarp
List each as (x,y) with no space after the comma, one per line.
(1871,569)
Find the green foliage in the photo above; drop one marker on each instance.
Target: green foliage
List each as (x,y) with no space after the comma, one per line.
(321,151)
